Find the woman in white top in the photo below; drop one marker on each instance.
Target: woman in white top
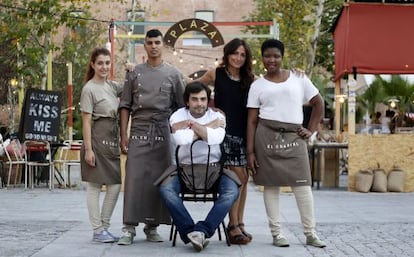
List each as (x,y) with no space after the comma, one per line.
(276,141)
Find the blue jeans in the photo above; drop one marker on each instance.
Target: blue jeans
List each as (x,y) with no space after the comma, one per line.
(228,193)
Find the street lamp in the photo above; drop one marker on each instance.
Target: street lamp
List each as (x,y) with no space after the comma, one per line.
(216,63)
(70,101)
(14,82)
(11,99)
(341,100)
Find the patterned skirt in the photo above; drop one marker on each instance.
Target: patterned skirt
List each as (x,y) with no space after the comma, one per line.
(235,151)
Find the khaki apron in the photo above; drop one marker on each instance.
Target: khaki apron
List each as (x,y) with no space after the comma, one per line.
(148,157)
(282,155)
(105,145)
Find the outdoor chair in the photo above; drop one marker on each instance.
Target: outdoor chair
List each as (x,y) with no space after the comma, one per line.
(39,156)
(191,195)
(15,158)
(72,158)
(59,162)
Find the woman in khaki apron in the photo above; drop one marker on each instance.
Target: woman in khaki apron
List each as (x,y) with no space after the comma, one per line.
(100,153)
(276,146)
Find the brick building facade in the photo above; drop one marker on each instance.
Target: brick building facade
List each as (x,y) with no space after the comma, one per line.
(191,52)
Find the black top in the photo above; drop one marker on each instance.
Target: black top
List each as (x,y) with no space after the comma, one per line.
(232,100)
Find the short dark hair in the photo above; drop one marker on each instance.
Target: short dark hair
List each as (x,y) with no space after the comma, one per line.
(273,43)
(153,33)
(194,88)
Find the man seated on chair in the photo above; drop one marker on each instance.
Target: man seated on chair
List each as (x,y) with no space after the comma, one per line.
(198,122)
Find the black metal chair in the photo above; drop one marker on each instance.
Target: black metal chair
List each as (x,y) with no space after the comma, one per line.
(192,195)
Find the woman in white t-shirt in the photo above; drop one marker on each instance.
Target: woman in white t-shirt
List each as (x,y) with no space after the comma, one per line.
(276,141)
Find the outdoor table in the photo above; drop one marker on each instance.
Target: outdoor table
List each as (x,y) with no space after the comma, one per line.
(317,148)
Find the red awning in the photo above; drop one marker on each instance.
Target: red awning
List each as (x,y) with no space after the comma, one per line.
(374,39)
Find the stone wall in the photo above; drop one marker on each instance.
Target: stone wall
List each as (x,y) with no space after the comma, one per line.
(369,151)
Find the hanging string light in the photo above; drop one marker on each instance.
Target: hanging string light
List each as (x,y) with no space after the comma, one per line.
(216,63)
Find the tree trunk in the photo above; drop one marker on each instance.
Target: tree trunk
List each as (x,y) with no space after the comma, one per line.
(315,36)
(46,40)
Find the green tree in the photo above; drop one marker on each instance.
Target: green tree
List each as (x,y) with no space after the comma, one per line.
(382,91)
(29,28)
(88,37)
(399,88)
(6,71)
(31,25)
(372,96)
(324,56)
(304,27)
(294,28)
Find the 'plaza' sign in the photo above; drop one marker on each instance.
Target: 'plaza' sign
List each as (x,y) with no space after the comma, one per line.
(40,115)
(181,27)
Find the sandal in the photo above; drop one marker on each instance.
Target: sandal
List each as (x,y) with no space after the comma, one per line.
(237,239)
(248,235)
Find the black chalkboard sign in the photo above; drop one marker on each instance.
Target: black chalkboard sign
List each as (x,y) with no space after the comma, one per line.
(40,119)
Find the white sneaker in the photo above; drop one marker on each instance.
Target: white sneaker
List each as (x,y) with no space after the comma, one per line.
(280,241)
(126,239)
(103,237)
(152,234)
(198,240)
(314,240)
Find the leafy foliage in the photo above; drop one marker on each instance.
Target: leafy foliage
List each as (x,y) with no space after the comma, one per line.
(373,95)
(30,25)
(88,38)
(296,21)
(6,71)
(381,91)
(325,50)
(32,28)
(293,29)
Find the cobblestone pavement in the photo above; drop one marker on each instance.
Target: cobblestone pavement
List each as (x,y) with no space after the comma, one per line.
(33,234)
(40,223)
(364,239)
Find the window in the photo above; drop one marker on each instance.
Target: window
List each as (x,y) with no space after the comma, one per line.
(137,29)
